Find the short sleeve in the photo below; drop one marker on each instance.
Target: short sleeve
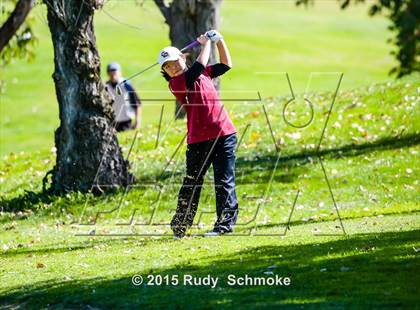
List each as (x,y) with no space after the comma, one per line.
(217,69)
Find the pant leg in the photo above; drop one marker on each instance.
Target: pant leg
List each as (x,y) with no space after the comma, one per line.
(198,159)
(224,178)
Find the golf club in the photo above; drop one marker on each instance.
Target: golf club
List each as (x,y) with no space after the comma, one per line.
(118,87)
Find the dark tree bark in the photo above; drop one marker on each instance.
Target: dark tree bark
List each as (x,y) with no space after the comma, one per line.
(88,153)
(15,20)
(187,19)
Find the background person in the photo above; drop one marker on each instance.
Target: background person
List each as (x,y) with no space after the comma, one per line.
(127,106)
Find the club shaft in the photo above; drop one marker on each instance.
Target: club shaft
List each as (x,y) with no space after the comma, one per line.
(138,73)
(191,45)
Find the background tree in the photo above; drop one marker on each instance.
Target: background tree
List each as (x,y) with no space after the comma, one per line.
(404,16)
(88,153)
(16,36)
(187,19)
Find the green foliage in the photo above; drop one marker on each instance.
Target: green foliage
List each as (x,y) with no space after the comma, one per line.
(21,45)
(405,23)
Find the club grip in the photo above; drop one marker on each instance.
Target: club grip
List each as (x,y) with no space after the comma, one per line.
(191,45)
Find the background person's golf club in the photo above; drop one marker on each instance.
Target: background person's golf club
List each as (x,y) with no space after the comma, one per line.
(118,87)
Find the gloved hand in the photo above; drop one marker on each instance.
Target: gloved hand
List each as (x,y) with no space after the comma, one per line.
(213,35)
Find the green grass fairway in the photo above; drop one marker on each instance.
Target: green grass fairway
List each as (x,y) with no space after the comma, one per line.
(79,251)
(375,269)
(54,253)
(317,41)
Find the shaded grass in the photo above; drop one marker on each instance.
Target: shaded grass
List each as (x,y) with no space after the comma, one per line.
(369,159)
(370,153)
(246,165)
(375,270)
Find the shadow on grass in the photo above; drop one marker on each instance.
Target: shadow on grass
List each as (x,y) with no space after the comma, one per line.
(330,219)
(252,171)
(29,200)
(84,245)
(258,169)
(42,200)
(145,240)
(378,270)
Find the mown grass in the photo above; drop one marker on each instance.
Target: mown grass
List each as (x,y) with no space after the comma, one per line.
(363,256)
(374,269)
(278,37)
(369,153)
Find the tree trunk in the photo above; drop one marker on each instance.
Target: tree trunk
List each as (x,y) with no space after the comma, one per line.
(15,20)
(187,19)
(88,153)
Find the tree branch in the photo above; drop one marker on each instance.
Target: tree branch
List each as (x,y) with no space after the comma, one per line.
(15,20)
(165,10)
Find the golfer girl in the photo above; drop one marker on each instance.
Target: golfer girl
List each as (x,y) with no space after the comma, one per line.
(211,135)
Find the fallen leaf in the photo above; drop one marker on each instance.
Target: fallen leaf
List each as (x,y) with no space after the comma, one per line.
(255,114)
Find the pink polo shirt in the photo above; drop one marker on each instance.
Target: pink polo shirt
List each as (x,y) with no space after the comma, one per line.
(206,117)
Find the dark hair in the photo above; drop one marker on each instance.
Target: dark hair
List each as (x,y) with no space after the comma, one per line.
(165,75)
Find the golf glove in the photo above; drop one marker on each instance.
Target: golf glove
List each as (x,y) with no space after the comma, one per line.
(213,35)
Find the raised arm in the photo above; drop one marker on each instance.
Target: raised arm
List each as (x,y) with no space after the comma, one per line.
(224,53)
(199,65)
(225,63)
(204,56)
